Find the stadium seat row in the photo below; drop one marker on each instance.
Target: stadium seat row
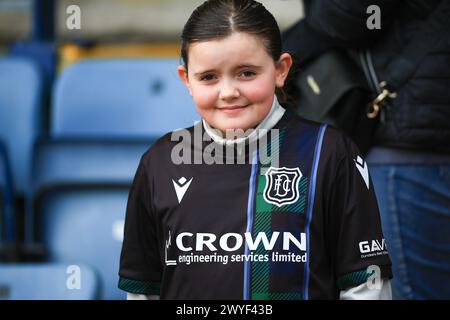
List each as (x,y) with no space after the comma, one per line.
(48,281)
(104,114)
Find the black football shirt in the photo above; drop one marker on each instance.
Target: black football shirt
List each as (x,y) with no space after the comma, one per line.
(302,227)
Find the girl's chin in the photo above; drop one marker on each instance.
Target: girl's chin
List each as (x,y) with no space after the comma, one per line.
(243,123)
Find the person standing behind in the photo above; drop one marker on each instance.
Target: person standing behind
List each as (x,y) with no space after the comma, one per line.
(410,158)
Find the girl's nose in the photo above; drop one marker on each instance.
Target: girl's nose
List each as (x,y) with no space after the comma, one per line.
(228,91)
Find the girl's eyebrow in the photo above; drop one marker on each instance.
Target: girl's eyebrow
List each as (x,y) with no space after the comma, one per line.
(248,66)
(203,72)
(241,66)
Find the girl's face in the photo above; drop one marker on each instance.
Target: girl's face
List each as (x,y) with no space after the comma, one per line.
(233,79)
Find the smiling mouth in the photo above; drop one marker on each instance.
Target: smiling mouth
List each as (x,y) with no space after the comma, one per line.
(233,109)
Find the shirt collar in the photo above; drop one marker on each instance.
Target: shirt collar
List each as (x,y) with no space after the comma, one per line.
(275,114)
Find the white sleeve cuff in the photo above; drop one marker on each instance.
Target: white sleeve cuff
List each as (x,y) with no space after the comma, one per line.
(364,292)
(135,296)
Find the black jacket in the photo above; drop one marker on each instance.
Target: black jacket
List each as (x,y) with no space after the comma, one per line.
(419,118)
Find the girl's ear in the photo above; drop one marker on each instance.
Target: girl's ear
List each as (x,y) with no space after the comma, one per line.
(183,74)
(282,69)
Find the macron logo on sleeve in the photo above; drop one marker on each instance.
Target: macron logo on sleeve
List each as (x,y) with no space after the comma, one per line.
(361,165)
(181,187)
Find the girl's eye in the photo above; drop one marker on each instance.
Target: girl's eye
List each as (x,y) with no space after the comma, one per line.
(247,74)
(207,77)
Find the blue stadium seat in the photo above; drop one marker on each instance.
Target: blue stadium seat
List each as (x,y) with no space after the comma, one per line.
(105,114)
(21,91)
(77,162)
(48,282)
(80,195)
(110,98)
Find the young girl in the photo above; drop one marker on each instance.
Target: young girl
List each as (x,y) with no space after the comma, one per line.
(303,225)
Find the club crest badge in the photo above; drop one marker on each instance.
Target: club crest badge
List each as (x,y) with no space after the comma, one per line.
(282,185)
